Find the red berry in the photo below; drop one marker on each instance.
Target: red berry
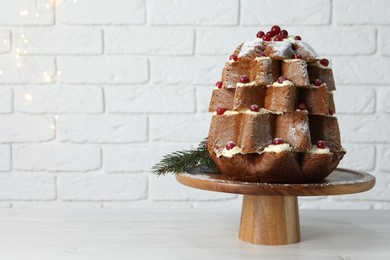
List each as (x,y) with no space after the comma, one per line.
(298,38)
(270,34)
(262,54)
(230,145)
(281,79)
(244,79)
(260,34)
(302,106)
(324,62)
(277,141)
(278,38)
(284,32)
(317,82)
(297,56)
(254,108)
(275,29)
(331,112)
(221,110)
(266,38)
(283,35)
(219,84)
(233,57)
(321,144)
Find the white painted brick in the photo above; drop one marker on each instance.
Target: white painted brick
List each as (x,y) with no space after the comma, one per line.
(58,99)
(383,157)
(384,41)
(55,40)
(31,70)
(179,128)
(137,157)
(14,12)
(5,41)
(56,157)
(27,186)
(359,157)
(101,128)
(203,96)
(354,99)
(340,40)
(150,99)
(5,158)
(6,98)
(255,12)
(364,128)
(101,12)
(330,204)
(143,40)
(103,69)
(21,128)
(187,70)
(383,205)
(56,205)
(361,12)
(188,12)
(222,41)
(98,187)
(361,70)
(167,188)
(383,99)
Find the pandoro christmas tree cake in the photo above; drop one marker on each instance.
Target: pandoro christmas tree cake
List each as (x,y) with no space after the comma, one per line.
(272,115)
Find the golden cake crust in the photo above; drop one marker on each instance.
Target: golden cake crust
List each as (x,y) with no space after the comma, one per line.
(273,114)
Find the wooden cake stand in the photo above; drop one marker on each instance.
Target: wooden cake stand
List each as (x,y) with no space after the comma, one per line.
(270,214)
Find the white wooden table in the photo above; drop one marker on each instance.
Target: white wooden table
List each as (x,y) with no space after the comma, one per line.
(184,234)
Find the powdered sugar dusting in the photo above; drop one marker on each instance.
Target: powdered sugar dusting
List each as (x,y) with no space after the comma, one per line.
(251,48)
(296,131)
(279,50)
(311,53)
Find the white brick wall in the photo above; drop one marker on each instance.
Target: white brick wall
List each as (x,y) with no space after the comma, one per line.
(302,12)
(94,92)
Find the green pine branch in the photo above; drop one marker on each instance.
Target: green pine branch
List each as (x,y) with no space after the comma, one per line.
(180,161)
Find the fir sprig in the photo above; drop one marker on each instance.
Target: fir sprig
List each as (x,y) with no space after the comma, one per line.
(180,161)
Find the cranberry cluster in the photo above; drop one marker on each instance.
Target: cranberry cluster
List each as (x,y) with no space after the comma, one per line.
(275,34)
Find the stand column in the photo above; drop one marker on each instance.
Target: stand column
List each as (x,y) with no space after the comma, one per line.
(270,220)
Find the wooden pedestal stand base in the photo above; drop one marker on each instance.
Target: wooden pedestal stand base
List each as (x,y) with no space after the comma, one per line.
(270,220)
(270,213)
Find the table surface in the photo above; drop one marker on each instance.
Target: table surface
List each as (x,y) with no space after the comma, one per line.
(113,234)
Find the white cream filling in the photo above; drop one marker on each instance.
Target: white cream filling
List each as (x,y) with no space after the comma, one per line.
(278,148)
(316,150)
(291,60)
(285,83)
(229,153)
(227,112)
(318,64)
(262,58)
(250,84)
(248,111)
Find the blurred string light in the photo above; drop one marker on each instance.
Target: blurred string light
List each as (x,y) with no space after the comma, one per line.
(21,49)
(23,42)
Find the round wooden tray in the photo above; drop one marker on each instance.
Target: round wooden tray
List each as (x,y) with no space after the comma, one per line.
(340,181)
(270,214)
